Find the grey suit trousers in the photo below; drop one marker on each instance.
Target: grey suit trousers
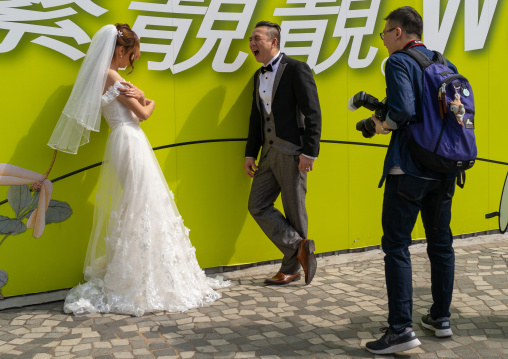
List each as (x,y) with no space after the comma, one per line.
(278,174)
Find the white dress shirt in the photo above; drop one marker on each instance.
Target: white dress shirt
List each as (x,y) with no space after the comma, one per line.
(266,81)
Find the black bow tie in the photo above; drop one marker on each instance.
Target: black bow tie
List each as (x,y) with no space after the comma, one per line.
(268,68)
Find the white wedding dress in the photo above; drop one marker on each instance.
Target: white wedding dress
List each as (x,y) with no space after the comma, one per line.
(140,258)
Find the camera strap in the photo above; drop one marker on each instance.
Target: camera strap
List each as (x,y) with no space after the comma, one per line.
(413,43)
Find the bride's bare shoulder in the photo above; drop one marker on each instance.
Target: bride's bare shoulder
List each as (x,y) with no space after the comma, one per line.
(112,77)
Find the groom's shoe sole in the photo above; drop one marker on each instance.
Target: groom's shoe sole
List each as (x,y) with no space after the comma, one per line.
(307,259)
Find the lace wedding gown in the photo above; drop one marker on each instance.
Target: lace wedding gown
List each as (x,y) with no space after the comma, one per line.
(140,258)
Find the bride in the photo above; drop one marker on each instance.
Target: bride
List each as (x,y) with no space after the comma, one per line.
(139,258)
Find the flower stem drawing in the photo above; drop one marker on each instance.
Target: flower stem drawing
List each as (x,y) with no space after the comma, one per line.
(29,197)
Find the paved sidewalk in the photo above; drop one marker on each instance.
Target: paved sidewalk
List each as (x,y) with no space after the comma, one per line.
(334,317)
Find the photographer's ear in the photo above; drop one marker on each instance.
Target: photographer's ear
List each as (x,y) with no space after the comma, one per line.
(398,33)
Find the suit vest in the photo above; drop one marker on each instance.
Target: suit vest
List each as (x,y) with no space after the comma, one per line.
(270,138)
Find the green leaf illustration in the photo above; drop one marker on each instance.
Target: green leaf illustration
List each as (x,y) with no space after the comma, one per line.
(58,211)
(11,226)
(19,198)
(3,278)
(35,198)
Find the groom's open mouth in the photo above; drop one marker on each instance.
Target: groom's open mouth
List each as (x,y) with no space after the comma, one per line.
(255,52)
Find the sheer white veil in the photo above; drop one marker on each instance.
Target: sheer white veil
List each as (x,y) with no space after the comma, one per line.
(82,113)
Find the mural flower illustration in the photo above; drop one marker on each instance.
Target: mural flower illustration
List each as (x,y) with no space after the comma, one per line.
(29,197)
(18,197)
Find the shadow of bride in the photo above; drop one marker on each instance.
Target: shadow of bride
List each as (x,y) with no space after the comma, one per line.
(211,187)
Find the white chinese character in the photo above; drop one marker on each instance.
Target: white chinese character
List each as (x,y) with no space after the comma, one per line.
(316,36)
(171,6)
(180,28)
(12,16)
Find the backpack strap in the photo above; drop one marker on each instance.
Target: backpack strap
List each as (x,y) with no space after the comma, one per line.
(422,60)
(439,58)
(425,62)
(461,179)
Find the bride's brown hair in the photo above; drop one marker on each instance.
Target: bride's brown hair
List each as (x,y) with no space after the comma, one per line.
(129,40)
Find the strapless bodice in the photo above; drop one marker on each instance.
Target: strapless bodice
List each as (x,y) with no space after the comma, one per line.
(115,112)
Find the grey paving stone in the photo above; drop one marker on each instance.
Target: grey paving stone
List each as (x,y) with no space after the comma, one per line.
(151,335)
(225,355)
(121,348)
(127,335)
(108,336)
(26,347)
(82,353)
(202,356)
(69,324)
(164,352)
(184,347)
(99,352)
(25,356)
(70,336)
(227,348)
(164,329)
(8,337)
(265,352)
(158,346)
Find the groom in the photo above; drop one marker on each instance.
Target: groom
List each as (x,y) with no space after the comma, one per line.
(285,123)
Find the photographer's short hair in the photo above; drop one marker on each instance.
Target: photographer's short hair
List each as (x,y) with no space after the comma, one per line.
(273,30)
(408,19)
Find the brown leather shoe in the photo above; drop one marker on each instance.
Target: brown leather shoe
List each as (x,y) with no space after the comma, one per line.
(307,258)
(282,278)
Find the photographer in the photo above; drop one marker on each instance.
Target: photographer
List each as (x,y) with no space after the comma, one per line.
(409,189)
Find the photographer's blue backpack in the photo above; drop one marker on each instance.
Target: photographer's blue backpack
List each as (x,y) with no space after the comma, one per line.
(444,141)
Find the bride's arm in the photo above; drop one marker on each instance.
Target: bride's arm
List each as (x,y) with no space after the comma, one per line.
(143,110)
(132,91)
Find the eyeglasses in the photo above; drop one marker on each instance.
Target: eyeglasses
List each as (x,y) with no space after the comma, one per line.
(382,34)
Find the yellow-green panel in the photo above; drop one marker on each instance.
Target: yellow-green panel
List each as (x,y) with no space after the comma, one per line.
(201,118)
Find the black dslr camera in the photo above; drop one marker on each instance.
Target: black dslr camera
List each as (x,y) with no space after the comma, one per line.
(362,99)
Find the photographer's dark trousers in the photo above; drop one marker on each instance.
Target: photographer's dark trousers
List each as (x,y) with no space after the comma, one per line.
(404,197)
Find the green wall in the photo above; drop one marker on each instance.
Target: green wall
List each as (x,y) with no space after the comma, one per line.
(204,103)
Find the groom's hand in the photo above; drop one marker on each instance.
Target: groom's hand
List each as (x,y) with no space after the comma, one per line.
(306,164)
(250,166)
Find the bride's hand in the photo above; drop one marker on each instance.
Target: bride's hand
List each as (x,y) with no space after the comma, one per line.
(131,91)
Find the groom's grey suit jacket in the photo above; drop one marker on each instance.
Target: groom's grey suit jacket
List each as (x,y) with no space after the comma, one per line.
(295,109)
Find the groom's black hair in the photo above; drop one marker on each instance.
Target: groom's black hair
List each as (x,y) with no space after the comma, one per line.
(273,30)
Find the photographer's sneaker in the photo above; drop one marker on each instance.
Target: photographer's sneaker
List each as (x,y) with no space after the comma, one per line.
(440,326)
(393,342)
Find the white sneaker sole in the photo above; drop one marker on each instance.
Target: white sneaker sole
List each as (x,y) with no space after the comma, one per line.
(440,333)
(397,348)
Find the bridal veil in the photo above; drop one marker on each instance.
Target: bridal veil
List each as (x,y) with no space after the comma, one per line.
(82,113)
